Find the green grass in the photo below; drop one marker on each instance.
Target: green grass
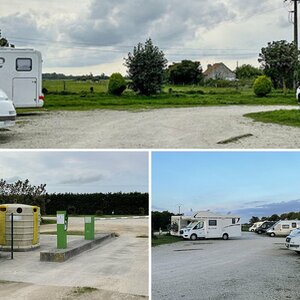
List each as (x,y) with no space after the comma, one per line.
(47,221)
(164,239)
(70,232)
(78,97)
(83,290)
(282,117)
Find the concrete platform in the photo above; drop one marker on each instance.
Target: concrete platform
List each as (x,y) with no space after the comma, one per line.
(74,248)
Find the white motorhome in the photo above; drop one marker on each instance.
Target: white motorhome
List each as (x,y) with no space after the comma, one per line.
(292,241)
(283,228)
(7,111)
(21,76)
(214,226)
(255,225)
(180,222)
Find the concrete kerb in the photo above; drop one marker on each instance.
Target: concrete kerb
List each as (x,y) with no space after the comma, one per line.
(74,248)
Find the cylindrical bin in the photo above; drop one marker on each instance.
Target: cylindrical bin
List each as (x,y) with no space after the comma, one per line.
(26,226)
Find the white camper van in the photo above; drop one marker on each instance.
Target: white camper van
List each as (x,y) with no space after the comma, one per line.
(21,76)
(283,228)
(217,226)
(180,222)
(7,111)
(292,241)
(255,225)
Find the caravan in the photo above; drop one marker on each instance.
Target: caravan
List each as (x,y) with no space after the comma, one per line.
(213,226)
(21,76)
(283,228)
(255,225)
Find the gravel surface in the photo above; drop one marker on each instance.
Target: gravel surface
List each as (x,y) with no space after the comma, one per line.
(196,127)
(118,269)
(252,267)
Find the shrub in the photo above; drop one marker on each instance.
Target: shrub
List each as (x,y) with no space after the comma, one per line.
(117,84)
(262,86)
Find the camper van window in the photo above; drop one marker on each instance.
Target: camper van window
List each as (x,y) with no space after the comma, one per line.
(212,222)
(24,64)
(233,221)
(285,226)
(294,225)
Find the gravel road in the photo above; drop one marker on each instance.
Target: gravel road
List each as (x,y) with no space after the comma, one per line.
(196,127)
(252,267)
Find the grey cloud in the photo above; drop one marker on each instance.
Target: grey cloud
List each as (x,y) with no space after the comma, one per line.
(13,179)
(83,179)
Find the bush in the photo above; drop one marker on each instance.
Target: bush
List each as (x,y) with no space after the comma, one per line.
(262,86)
(117,84)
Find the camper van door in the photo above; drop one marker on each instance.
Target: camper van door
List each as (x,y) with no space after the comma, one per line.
(24,91)
(214,228)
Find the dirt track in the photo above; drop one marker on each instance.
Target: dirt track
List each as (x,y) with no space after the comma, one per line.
(196,127)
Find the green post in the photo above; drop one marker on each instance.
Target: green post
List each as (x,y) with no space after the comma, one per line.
(62,226)
(89,228)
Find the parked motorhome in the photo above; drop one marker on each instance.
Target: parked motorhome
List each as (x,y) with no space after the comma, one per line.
(292,241)
(180,222)
(255,225)
(264,227)
(214,226)
(283,228)
(21,76)
(7,111)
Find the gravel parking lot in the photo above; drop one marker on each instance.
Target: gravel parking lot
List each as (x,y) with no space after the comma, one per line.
(251,267)
(194,127)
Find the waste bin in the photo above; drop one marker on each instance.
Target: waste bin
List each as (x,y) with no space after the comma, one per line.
(26,225)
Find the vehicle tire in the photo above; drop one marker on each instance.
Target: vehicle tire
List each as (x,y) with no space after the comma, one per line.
(298,252)
(272,234)
(225,237)
(193,237)
(252,230)
(259,232)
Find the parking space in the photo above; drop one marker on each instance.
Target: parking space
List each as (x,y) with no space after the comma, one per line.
(250,267)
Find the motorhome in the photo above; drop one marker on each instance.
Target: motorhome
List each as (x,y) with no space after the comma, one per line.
(180,222)
(255,225)
(264,227)
(292,241)
(214,226)
(21,76)
(283,228)
(7,111)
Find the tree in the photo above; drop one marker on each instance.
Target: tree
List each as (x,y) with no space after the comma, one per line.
(23,192)
(185,72)
(116,84)
(146,68)
(4,42)
(161,220)
(247,72)
(274,217)
(279,61)
(254,220)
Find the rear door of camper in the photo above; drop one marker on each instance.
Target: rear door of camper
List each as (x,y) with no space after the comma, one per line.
(25,90)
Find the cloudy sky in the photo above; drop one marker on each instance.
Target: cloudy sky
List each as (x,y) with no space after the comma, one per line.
(245,183)
(78,172)
(85,36)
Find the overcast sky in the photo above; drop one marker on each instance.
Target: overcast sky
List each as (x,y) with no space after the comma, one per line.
(78,172)
(95,35)
(245,183)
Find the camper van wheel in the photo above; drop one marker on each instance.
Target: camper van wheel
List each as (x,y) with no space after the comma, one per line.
(259,232)
(225,236)
(298,252)
(193,237)
(272,234)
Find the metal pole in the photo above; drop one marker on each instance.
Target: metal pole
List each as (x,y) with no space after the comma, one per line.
(12,236)
(296,22)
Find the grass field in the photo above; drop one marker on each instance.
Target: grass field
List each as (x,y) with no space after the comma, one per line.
(282,117)
(72,95)
(164,239)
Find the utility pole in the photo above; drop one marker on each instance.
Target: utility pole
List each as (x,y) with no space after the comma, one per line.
(296,22)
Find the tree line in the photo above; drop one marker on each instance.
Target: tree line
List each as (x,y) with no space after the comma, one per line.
(275,217)
(23,192)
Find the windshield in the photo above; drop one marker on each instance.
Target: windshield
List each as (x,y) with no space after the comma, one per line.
(191,225)
(295,231)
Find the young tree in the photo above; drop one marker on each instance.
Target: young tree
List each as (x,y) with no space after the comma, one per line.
(254,220)
(146,68)
(185,72)
(280,61)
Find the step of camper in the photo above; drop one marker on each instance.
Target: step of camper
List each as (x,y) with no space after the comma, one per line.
(74,248)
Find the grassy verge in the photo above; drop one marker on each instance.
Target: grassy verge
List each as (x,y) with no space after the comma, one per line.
(282,117)
(164,239)
(70,232)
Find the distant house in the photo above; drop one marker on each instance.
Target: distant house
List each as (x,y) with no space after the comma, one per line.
(219,71)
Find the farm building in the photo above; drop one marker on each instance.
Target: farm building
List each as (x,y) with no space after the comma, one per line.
(219,71)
